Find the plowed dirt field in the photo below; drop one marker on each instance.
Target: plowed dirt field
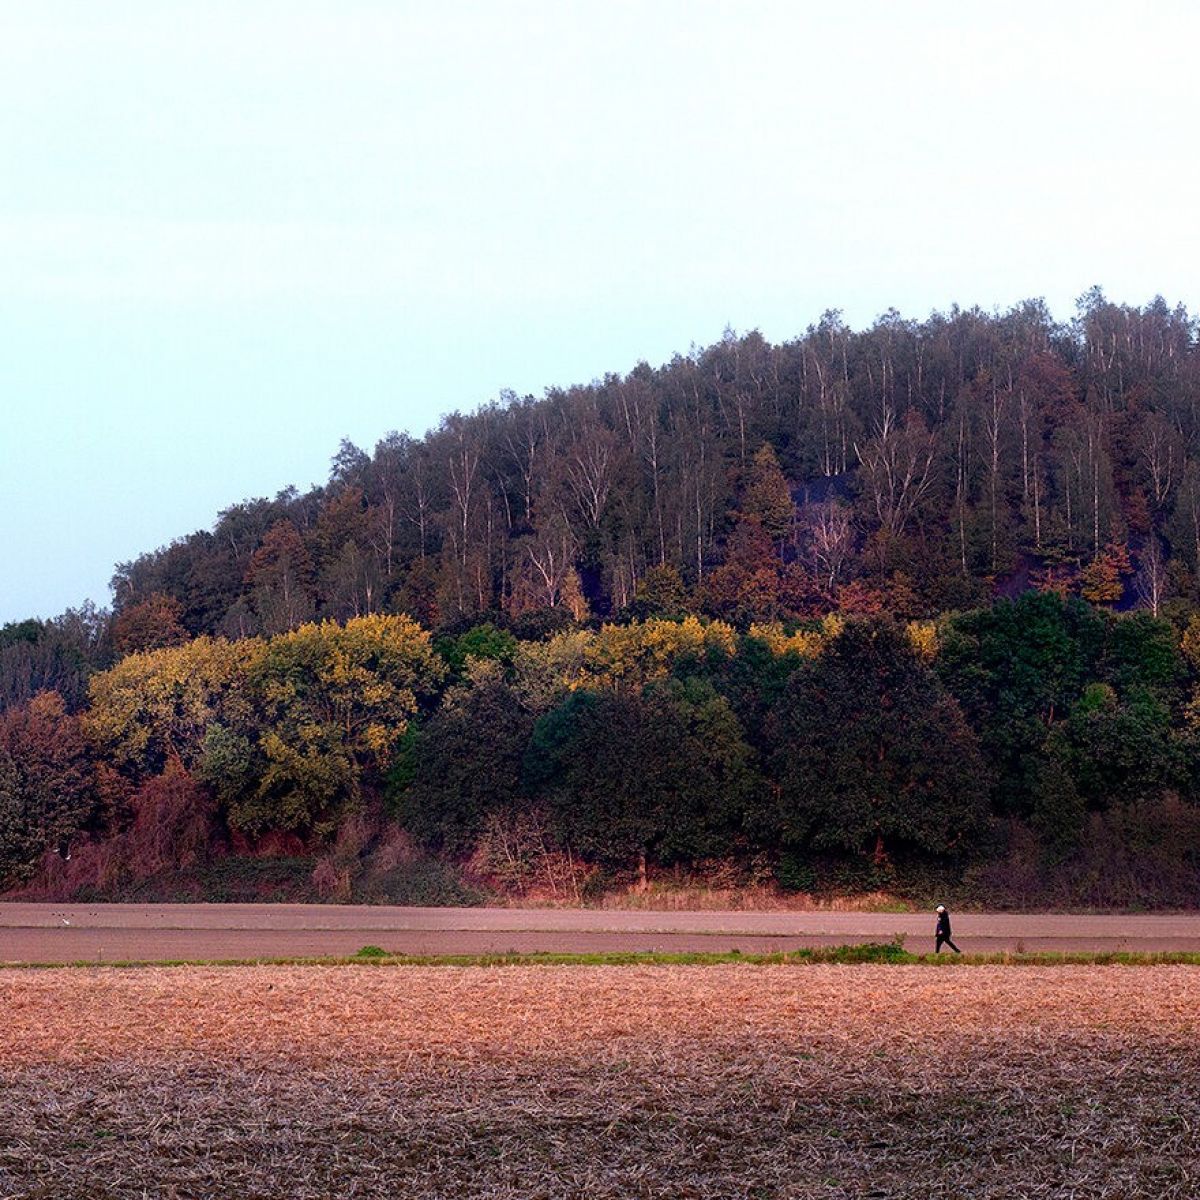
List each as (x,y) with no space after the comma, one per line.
(600,1082)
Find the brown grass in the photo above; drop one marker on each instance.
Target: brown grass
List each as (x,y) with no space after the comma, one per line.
(600,1082)
(665,897)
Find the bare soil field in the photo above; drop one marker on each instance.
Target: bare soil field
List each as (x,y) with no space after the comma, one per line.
(600,1082)
(51,933)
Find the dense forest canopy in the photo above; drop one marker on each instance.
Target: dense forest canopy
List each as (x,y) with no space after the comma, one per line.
(917,467)
(864,609)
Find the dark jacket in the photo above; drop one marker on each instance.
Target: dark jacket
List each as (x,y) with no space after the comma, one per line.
(943,925)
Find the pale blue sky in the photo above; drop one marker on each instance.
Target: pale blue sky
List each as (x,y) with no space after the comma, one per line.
(232,233)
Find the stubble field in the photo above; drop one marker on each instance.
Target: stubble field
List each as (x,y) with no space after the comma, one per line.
(645,1081)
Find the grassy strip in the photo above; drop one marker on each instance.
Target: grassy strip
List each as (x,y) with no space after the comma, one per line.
(885,953)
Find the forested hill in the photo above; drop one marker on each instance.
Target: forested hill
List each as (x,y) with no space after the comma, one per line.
(913,467)
(912,609)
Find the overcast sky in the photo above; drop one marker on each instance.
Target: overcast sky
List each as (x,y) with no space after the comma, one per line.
(233,233)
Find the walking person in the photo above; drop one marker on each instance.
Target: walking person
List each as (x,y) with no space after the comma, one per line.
(943,931)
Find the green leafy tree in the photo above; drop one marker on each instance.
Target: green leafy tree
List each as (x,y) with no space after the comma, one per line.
(231,764)
(767,498)
(307,784)
(462,765)
(1123,750)
(661,592)
(54,656)
(662,775)
(1142,651)
(1016,669)
(483,641)
(871,754)
(1058,810)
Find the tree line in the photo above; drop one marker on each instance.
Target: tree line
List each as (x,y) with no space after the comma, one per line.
(1033,751)
(912,467)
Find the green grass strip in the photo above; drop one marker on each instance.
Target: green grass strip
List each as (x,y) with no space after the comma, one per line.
(881,953)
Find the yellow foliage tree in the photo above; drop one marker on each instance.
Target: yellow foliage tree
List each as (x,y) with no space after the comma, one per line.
(632,655)
(156,706)
(618,656)
(832,625)
(543,672)
(361,679)
(924,638)
(807,643)
(1189,643)
(335,699)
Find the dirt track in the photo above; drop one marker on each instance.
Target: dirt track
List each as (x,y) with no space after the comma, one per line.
(50,933)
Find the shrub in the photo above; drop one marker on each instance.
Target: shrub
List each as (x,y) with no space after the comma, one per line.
(425,883)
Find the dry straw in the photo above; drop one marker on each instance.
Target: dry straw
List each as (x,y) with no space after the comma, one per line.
(601,1082)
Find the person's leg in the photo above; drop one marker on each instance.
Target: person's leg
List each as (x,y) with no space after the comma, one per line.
(938,940)
(953,946)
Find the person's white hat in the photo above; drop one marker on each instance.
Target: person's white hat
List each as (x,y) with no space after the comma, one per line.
(941,908)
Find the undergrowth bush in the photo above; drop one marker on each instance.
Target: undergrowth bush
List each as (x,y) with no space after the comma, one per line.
(237,879)
(422,883)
